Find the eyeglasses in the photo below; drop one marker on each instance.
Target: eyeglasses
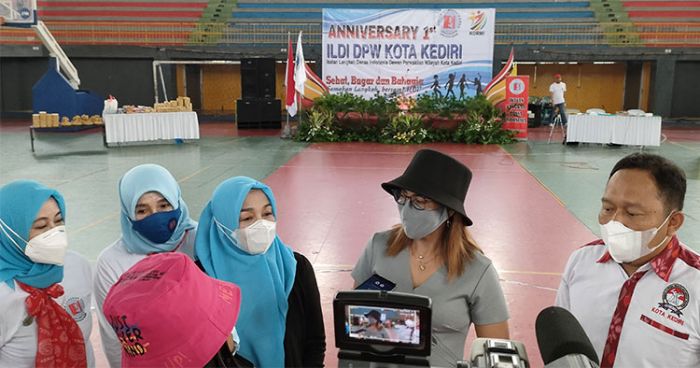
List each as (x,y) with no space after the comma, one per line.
(417,202)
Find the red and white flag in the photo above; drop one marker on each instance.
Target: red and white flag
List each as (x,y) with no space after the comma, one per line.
(290,100)
(299,68)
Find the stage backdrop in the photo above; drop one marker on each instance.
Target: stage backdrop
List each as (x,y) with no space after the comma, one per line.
(410,51)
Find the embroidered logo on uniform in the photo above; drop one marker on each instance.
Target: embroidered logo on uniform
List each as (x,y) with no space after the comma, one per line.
(674,298)
(76,307)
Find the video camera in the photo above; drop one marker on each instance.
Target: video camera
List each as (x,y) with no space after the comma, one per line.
(388,328)
(496,353)
(378,328)
(375,328)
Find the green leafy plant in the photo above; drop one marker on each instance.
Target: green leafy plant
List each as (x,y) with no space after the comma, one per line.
(383,108)
(317,127)
(482,129)
(349,118)
(405,129)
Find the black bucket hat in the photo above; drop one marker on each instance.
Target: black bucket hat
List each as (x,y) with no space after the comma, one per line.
(374,314)
(436,176)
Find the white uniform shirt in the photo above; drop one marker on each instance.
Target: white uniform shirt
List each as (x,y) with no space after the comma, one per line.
(557,90)
(18,343)
(662,325)
(111,264)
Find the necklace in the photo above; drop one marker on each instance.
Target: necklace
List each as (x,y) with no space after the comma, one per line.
(422,261)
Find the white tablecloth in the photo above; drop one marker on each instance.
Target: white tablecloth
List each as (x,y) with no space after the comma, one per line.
(629,130)
(141,127)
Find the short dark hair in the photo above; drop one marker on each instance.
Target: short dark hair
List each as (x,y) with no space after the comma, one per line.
(669,178)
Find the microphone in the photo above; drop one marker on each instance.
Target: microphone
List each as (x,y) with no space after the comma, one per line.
(562,340)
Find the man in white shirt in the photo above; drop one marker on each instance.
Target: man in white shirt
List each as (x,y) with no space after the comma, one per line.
(557,90)
(635,292)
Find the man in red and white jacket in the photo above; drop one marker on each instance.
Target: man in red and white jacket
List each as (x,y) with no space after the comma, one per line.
(635,292)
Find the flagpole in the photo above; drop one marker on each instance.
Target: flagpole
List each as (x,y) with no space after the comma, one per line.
(286,131)
(300,108)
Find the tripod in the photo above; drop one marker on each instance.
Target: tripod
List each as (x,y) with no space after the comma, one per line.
(556,122)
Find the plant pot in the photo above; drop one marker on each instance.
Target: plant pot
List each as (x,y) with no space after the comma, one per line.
(448,123)
(354,118)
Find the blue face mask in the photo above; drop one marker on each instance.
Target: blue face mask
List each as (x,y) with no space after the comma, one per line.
(158,227)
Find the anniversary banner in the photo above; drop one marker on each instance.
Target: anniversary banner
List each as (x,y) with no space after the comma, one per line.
(446,52)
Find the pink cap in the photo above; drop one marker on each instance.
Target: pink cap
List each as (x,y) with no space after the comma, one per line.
(166,312)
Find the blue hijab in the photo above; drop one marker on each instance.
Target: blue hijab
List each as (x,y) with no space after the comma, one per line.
(20,202)
(137,182)
(265,279)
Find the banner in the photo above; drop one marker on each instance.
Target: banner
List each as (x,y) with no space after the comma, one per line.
(446,52)
(516,105)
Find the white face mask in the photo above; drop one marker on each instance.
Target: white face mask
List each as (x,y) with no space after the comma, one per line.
(626,245)
(254,239)
(48,247)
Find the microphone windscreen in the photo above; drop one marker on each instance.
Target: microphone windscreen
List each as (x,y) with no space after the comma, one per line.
(560,334)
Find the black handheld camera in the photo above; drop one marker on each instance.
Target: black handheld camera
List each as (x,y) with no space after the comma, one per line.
(381,326)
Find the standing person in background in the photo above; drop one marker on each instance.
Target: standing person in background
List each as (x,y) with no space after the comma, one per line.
(281,322)
(45,290)
(154,219)
(557,89)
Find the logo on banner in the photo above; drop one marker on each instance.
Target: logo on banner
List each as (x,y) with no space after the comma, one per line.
(517,86)
(674,298)
(76,308)
(450,22)
(25,13)
(478,19)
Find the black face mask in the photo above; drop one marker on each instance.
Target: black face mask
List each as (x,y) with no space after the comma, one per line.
(225,359)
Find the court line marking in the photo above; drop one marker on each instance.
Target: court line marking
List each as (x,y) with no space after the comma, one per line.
(556,197)
(683,146)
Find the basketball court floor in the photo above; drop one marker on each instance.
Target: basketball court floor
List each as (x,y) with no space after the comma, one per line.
(532,203)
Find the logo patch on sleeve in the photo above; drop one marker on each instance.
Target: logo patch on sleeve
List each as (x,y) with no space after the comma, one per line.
(76,308)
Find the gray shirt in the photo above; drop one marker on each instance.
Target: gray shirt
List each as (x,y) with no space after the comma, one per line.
(476,296)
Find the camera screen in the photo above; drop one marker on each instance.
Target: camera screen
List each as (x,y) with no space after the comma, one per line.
(389,325)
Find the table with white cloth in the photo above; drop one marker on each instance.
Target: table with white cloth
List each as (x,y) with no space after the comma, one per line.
(156,126)
(616,129)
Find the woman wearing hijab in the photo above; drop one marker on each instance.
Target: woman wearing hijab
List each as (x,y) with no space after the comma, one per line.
(280,322)
(45,291)
(431,253)
(154,219)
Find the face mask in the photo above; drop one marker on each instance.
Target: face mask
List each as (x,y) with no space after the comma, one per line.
(254,239)
(420,223)
(626,245)
(48,247)
(158,227)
